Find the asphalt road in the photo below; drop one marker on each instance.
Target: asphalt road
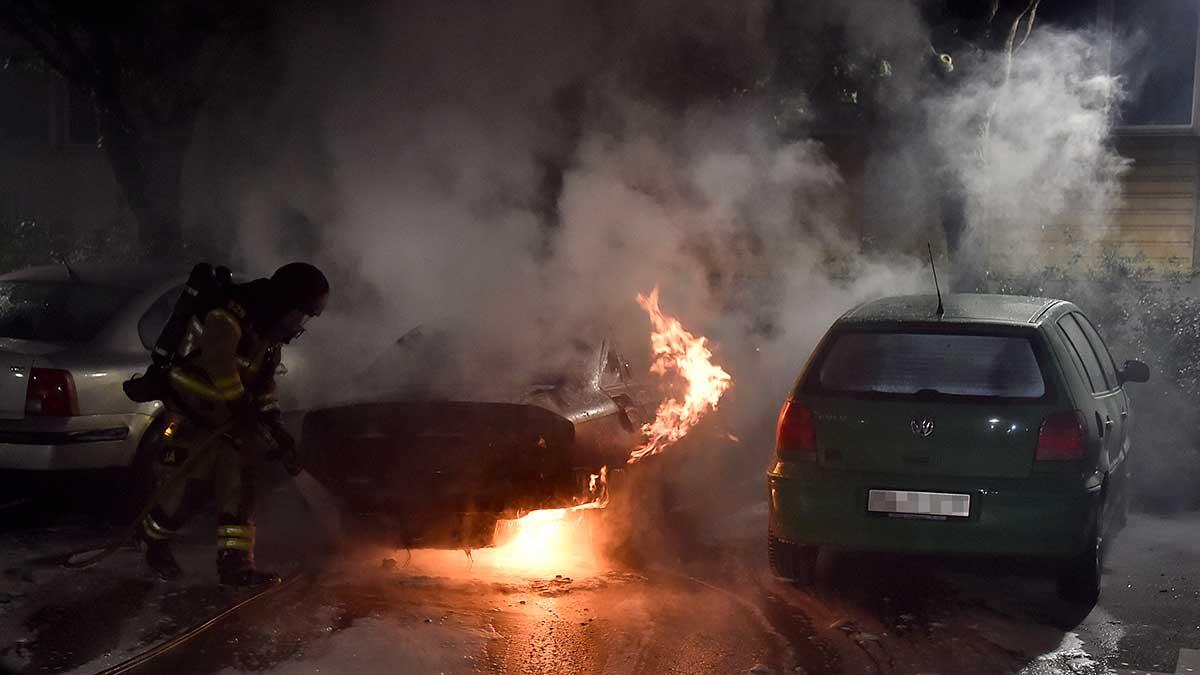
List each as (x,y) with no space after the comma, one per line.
(870,614)
(710,607)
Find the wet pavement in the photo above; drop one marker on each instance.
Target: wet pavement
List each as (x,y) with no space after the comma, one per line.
(55,620)
(1152,591)
(711,609)
(357,620)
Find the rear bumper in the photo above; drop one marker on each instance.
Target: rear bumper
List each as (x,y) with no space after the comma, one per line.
(1043,516)
(71,443)
(419,459)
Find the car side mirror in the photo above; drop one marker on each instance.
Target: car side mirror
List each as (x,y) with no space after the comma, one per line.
(1134,371)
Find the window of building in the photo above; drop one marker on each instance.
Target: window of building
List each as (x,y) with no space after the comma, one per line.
(1156,57)
(25,116)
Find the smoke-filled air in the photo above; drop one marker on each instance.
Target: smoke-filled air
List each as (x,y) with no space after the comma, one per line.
(600,336)
(526,171)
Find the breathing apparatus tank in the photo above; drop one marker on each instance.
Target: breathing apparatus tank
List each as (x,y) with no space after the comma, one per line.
(207,288)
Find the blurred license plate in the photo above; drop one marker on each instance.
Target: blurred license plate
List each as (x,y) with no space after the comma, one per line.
(919,503)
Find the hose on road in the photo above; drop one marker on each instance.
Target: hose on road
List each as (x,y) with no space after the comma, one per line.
(149,661)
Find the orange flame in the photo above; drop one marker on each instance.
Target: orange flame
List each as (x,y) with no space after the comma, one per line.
(677,349)
(549,539)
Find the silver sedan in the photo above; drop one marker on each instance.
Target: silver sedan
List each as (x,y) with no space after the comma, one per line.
(68,338)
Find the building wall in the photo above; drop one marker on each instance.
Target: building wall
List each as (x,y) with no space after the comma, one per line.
(59,186)
(1155,218)
(51,169)
(1152,222)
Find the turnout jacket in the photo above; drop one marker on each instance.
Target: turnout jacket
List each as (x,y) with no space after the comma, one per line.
(226,365)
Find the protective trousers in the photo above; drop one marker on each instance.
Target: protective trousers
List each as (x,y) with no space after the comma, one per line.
(224,470)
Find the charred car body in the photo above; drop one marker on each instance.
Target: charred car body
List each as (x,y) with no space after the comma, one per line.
(434,469)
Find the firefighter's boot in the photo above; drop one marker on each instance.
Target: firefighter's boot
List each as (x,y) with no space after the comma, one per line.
(154,538)
(235,558)
(236,568)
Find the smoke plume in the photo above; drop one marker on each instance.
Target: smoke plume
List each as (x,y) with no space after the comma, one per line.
(1029,139)
(524,169)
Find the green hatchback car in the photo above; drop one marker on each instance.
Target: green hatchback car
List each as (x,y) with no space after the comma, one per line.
(993,425)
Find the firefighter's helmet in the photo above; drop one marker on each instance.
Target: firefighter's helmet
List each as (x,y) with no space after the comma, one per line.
(301,286)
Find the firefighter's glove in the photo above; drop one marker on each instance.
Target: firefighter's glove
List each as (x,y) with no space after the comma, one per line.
(281,442)
(291,462)
(285,449)
(271,417)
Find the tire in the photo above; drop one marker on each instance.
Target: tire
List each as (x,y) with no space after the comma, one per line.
(1079,581)
(791,561)
(140,481)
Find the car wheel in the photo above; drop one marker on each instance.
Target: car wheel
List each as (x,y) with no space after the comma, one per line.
(140,482)
(1079,581)
(791,561)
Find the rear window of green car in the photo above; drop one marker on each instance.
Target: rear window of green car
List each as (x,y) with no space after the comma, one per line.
(929,364)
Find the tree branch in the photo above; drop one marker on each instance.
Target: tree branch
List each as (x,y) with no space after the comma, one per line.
(1033,7)
(1010,45)
(39,36)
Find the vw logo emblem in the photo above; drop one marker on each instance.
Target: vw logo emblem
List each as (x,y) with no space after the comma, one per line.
(922,426)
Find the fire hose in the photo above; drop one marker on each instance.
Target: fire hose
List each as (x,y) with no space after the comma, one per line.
(152,660)
(81,559)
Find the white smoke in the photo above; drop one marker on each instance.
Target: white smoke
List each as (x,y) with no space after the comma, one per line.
(1030,141)
(435,135)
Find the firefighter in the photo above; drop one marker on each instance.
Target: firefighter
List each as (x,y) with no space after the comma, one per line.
(225,380)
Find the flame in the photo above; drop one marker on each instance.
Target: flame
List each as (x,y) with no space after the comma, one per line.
(549,539)
(557,539)
(677,349)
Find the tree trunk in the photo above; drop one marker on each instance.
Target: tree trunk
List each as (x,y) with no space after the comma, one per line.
(953,206)
(148,165)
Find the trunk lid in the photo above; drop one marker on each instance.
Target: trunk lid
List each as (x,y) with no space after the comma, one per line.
(976,440)
(951,401)
(440,455)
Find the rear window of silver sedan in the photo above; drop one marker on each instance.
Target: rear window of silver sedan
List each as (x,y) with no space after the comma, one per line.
(49,311)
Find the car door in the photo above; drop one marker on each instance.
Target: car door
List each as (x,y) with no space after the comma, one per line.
(1120,431)
(1106,409)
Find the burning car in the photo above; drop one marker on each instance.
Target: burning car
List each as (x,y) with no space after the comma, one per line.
(437,467)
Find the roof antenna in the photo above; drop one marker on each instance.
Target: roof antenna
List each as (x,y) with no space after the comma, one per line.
(941,309)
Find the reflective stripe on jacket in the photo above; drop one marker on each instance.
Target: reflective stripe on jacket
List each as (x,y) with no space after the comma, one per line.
(228,361)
